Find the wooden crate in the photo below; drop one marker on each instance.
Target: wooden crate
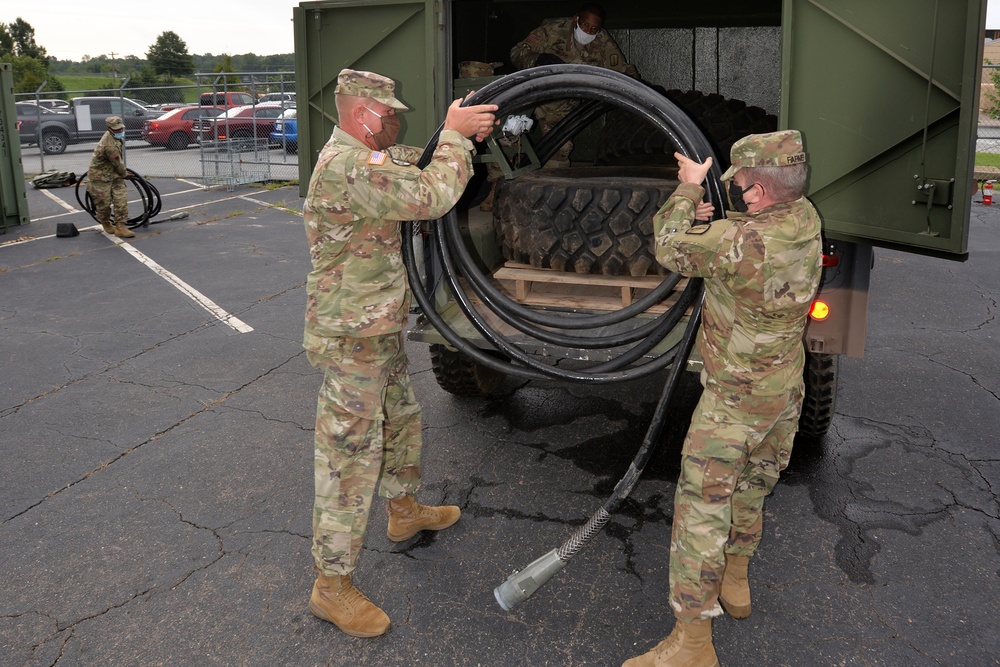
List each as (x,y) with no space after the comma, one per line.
(578,291)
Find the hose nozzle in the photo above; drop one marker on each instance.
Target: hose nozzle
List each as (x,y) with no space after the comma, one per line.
(523,583)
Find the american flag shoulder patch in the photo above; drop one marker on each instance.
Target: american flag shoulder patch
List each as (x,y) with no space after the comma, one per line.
(376,158)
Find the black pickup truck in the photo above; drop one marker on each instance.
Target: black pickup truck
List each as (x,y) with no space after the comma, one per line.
(83,121)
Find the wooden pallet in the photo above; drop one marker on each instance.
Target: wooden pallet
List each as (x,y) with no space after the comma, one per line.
(578,291)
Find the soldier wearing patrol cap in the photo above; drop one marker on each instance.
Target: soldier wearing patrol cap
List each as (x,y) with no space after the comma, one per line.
(761,266)
(106,180)
(368,428)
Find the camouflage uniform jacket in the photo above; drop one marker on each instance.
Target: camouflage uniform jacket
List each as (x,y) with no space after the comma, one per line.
(761,273)
(555,36)
(106,165)
(355,202)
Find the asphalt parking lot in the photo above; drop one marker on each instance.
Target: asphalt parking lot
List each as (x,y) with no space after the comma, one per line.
(156,485)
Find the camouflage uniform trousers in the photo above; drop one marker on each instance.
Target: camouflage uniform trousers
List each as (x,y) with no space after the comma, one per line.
(108,195)
(367,434)
(730,462)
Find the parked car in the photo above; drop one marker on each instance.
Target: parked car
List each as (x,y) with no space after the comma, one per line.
(30,115)
(226,100)
(254,121)
(173,130)
(286,132)
(83,121)
(287,99)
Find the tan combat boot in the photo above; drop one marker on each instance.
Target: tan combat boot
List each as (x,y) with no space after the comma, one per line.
(335,599)
(735,592)
(123,232)
(689,645)
(407,517)
(107,227)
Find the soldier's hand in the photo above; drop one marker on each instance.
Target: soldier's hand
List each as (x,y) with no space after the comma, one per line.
(473,121)
(704,211)
(689,171)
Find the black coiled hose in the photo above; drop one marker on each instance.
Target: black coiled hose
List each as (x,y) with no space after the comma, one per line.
(600,90)
(148,194)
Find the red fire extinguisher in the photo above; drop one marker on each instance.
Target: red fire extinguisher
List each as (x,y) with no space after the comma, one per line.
(988,194)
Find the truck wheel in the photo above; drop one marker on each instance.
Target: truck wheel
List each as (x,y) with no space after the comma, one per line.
(177,141)
(459,375)
(584,220)
(821,394)
(54,142)
(626,139)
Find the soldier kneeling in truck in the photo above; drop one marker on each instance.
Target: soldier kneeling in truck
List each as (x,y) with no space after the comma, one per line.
(762,267)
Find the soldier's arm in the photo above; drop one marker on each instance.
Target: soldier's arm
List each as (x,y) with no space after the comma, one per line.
(391,191)
(526,52)
(702,250)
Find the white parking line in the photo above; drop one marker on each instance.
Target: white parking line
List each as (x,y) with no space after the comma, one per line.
(229,320)
(68,207)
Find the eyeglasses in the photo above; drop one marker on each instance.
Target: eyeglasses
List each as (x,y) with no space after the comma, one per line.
(587,27)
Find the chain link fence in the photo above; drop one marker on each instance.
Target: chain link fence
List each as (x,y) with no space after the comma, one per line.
(220,131)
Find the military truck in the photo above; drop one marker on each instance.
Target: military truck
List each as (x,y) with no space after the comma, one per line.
(885,94)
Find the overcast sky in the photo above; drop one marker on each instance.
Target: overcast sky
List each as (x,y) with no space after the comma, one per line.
(70,29)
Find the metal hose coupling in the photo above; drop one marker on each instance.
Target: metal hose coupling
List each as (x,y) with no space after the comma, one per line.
(522,584)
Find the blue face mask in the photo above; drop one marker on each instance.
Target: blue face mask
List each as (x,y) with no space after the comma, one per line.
(118,135)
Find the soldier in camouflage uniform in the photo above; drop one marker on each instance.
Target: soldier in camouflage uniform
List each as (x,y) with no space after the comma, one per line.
(577,39)
(106,180)
(761,267)
(368,429)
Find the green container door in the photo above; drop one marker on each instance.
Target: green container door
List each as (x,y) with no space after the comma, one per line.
(400,39)
(13,202)
(886,95)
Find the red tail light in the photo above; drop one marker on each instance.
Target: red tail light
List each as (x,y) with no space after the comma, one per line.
(820,310)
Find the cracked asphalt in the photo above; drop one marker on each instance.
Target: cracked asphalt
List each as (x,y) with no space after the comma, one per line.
(156,484)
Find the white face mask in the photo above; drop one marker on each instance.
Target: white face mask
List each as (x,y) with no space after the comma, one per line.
(581,37)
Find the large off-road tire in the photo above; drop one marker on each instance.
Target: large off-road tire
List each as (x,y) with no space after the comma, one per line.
(587,220)
(628,140)
(821,394)
(459,375)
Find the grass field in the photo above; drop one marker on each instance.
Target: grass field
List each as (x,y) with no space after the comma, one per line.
(81,83)
(988,159)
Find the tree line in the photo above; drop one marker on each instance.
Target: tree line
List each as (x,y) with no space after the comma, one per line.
(166,60)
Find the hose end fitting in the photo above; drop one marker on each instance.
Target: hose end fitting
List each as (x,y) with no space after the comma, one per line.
(523,583)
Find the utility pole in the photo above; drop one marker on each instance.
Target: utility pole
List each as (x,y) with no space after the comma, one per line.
(114,67)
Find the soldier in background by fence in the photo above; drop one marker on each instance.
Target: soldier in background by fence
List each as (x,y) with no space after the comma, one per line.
(106,180)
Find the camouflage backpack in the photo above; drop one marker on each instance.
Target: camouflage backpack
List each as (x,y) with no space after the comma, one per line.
(54,179)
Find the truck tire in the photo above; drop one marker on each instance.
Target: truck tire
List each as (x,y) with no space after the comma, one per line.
(627,140)
(818,406)
(54,142)
(177,141)
(459,375)
(586,220)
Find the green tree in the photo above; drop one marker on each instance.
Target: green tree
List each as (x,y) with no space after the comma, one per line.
(226,65)
(6,41)
(169,56)
(29,73)
(23,36)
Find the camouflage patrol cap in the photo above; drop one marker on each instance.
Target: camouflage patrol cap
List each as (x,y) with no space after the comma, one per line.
(114,123)
(368,84)
(774,149)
